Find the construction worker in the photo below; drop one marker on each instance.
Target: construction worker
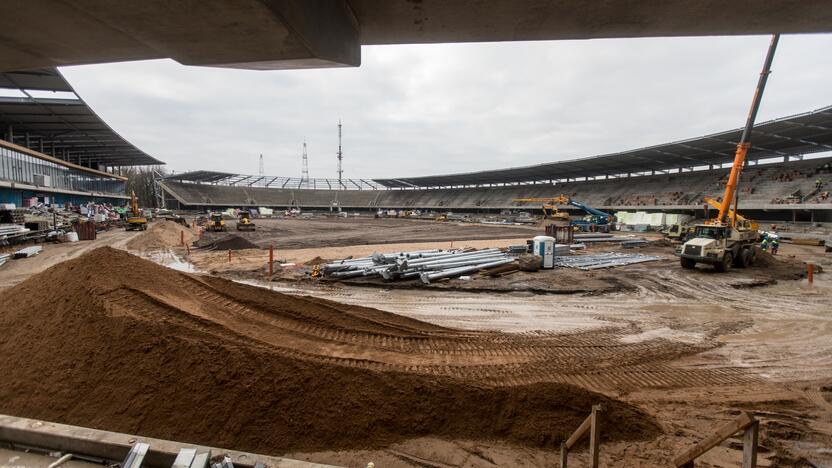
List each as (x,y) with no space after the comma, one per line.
(764,243)
(775,244)
(819,183)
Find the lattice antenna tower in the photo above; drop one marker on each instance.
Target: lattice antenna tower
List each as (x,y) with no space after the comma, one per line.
(340,156)
(304,177)
(262,170)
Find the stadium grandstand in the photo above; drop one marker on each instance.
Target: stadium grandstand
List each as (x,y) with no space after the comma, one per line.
(788,178)
(55,148)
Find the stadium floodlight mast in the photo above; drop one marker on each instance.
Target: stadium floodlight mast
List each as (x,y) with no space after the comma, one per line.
(340,158)
(304,177)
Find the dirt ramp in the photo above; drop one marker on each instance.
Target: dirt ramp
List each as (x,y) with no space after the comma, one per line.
(115,342)
(161,235)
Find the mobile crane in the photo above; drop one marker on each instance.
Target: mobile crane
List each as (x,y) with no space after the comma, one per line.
(728,240)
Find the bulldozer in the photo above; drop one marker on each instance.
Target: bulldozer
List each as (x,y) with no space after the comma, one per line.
(136,221)
(216,223)
(245,223)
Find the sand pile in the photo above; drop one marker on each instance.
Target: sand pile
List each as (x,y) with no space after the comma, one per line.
(160,235)
(229,242)
(115,342)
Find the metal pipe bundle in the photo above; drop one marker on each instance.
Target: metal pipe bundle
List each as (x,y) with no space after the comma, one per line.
(428,265)
(603,260)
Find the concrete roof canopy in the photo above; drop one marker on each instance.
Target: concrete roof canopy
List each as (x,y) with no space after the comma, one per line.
(65,127)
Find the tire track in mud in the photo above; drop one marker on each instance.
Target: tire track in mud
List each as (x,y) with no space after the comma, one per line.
(597,360)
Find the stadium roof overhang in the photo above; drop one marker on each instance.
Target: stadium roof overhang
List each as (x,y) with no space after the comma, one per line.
(274,34)
(801,134)
(65,127)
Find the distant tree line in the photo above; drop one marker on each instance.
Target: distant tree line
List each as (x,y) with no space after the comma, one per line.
(140,179)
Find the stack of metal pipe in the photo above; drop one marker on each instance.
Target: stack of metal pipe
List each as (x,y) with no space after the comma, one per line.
(427,265)
(603,260)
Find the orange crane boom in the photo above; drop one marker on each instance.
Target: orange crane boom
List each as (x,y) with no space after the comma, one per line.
(745,141)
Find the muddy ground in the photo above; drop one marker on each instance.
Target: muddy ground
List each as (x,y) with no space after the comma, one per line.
(690,349)
(296,233)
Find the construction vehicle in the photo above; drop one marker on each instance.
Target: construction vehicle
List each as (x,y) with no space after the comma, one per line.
(216,223)
(551,214)
(595,219)
(729,239)
(136,221)
(245,223)
(676,231)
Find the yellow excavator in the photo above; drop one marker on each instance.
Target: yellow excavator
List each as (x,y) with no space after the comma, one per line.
(135,218)
(551,215)
(729,239)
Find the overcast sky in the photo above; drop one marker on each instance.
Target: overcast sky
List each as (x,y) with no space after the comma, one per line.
(431,109)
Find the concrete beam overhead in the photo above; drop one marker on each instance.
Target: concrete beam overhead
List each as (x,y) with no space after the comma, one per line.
(275,34)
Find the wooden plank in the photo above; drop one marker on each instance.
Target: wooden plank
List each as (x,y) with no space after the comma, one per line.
(579,432)
(749,445)
(594,436)
(722,433)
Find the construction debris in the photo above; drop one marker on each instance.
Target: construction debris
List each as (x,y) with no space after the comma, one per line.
(427,265)
(603,260)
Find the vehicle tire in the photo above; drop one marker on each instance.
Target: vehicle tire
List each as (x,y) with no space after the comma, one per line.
(725,265)
(687,263)
(742,259)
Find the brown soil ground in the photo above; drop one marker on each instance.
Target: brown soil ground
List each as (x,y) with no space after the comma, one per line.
(111,341)
(295,233)
(689,348)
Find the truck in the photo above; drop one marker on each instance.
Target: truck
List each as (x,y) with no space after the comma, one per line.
(729,239)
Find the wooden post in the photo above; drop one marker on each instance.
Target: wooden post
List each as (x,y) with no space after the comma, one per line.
(189,248)
(749,445)
(229,255)
(810,269)
(591,424)
(181,237)
(271,260)
(723,432)
(594,436)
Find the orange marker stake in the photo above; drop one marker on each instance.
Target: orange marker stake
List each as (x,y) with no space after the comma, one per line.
(810,266)
(271,260)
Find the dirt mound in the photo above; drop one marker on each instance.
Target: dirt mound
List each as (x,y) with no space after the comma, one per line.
(111,341)
(161,235)
(229,242)
(315,261)
(782,267)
